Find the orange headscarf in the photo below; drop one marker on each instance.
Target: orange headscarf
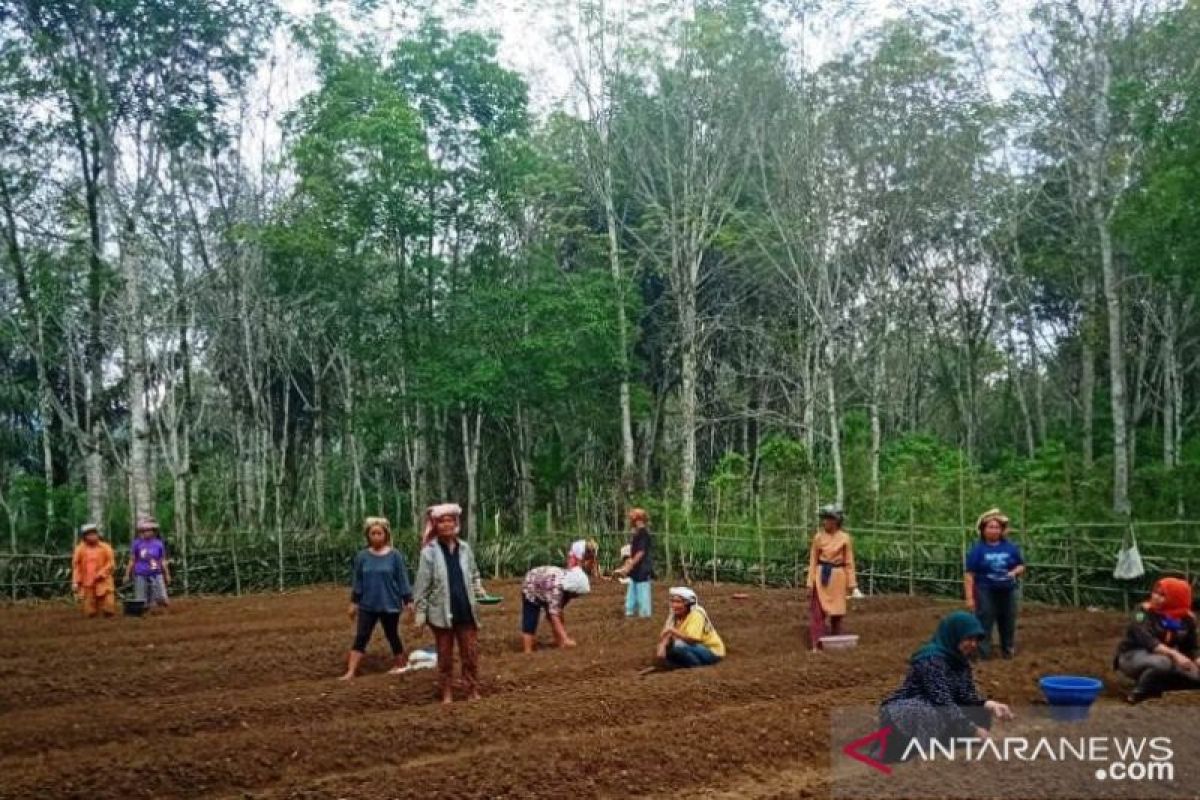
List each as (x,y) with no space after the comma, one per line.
(1178,594)
(638,515)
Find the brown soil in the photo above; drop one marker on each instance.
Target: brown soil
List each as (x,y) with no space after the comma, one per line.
(237,697)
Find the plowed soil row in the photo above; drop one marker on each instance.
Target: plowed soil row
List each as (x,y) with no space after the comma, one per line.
(236,697)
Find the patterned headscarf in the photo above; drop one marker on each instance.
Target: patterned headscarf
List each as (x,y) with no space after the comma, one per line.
(575,581)
(433,514)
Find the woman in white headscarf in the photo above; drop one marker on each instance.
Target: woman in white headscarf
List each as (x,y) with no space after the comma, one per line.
(688,638)
(548,589)
(445,596)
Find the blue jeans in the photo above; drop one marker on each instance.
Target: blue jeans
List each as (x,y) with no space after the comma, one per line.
(637,599)
(997,607)
(691,655)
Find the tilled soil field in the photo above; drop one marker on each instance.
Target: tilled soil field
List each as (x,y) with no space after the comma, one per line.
(236,697)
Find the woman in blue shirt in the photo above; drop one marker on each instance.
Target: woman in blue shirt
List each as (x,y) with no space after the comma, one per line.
(993,568)
(380,592)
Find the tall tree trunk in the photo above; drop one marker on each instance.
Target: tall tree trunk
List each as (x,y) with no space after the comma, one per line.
(135,375)
(688,369)
(835,428)
(320,480)
(1035,368)
(38,347)
(876,430)
(471,441)
(1087,372)
(1116,362)
(628,466)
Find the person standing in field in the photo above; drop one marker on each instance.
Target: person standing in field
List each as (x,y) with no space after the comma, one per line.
(831,576)
(993,566)
(640,569)
(92,567)
(148,565)
(379,593)
(447,586)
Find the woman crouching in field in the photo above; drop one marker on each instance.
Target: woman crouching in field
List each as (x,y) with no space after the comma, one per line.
(380,592)
(1159,648)
(688,638)
(938,699)
(549,589)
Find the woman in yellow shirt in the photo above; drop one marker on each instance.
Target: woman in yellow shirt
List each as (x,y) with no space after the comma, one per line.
(688,638)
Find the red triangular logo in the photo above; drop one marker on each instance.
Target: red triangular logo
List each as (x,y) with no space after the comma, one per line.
(854,749)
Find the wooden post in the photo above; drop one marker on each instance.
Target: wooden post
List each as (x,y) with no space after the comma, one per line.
(912,549)
(237,572)
(279,555)
(496,527)
(667,535)
(762,545)
(187,585)
(715,529)
(1074,566)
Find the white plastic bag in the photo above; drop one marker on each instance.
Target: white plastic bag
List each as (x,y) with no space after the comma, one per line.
(1129,560)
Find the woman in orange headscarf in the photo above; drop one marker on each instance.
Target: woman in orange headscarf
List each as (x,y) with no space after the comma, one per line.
(831,576)
(1159,648)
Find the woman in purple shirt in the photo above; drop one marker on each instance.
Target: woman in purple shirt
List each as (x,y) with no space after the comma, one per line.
(148,565)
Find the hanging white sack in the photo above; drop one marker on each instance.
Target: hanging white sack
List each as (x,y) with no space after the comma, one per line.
(1129,560)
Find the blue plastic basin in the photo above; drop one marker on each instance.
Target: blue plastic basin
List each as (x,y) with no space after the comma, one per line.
(1070,696)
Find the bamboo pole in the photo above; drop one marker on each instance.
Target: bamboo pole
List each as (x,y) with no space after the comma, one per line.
(237,572)
(762,545)
(1074,562)
(912,550)
(496,527)
(667,535)
(715,526)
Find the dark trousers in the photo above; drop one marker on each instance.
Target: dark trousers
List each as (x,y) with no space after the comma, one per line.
(997,607)
(466,635)
(388,620)
(898,741)
(531,613)
(1155,673)
(691,655)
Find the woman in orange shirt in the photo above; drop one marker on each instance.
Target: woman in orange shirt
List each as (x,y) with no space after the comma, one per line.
(92,569)
(830,576)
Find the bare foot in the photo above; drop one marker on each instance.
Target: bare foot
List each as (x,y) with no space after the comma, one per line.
(447,699)
(473,696)
(349,676)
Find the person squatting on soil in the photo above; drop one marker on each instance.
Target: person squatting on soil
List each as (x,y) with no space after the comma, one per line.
(993,566)
(938,699)
(640,569)
(549,589)
(445,594)
(1159,648)
(830,576)
(688,637)
(92,567)
(379,593)
(147,565)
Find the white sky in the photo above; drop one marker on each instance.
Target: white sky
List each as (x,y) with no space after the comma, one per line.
(526,30)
